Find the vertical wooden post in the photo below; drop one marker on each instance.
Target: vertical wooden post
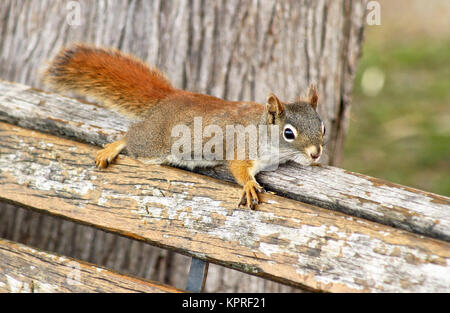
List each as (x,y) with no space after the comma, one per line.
(197,275)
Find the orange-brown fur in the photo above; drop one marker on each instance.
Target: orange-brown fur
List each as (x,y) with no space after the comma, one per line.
(241,170)
(109,76)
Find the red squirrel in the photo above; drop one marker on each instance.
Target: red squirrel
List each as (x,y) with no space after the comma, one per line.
(123,82)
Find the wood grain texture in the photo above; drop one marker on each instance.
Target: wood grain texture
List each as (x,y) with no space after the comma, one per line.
(24,269)
(329,187)
(284,240)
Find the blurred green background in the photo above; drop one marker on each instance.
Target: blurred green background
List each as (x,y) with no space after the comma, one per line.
(400,121)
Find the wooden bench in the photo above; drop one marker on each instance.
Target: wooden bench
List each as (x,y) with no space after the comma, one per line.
(325,229)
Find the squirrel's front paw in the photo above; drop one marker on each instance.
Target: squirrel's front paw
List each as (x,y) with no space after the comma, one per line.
(249,196)
(105,156)
(102,159)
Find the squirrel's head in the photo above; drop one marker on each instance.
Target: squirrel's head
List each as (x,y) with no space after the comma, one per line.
(301,131)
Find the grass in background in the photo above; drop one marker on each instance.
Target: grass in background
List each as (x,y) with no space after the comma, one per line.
(403,133)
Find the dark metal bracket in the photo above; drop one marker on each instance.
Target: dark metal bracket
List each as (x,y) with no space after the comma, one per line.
(197,275)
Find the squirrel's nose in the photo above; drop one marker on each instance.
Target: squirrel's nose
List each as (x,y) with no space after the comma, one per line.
(316,155)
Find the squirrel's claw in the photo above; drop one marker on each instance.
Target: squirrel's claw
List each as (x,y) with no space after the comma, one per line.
(102,158)
(249,197)
(105,156)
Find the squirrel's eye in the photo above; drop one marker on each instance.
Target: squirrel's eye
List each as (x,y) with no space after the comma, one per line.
(324,130)
(289,134)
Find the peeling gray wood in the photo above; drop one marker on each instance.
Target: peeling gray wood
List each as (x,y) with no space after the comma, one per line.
(284,240)
(27,270)
(329,187)
(36,109)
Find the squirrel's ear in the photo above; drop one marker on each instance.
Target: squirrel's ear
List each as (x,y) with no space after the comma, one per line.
(313,96)
(274,106)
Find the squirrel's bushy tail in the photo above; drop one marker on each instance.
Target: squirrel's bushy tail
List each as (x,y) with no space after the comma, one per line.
(109,76)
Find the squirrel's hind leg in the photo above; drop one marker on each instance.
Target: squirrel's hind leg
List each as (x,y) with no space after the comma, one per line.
(105,156)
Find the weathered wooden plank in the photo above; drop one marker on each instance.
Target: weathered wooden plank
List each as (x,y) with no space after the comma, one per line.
(49,112)
(333,188)
(284,240)
(24,269)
